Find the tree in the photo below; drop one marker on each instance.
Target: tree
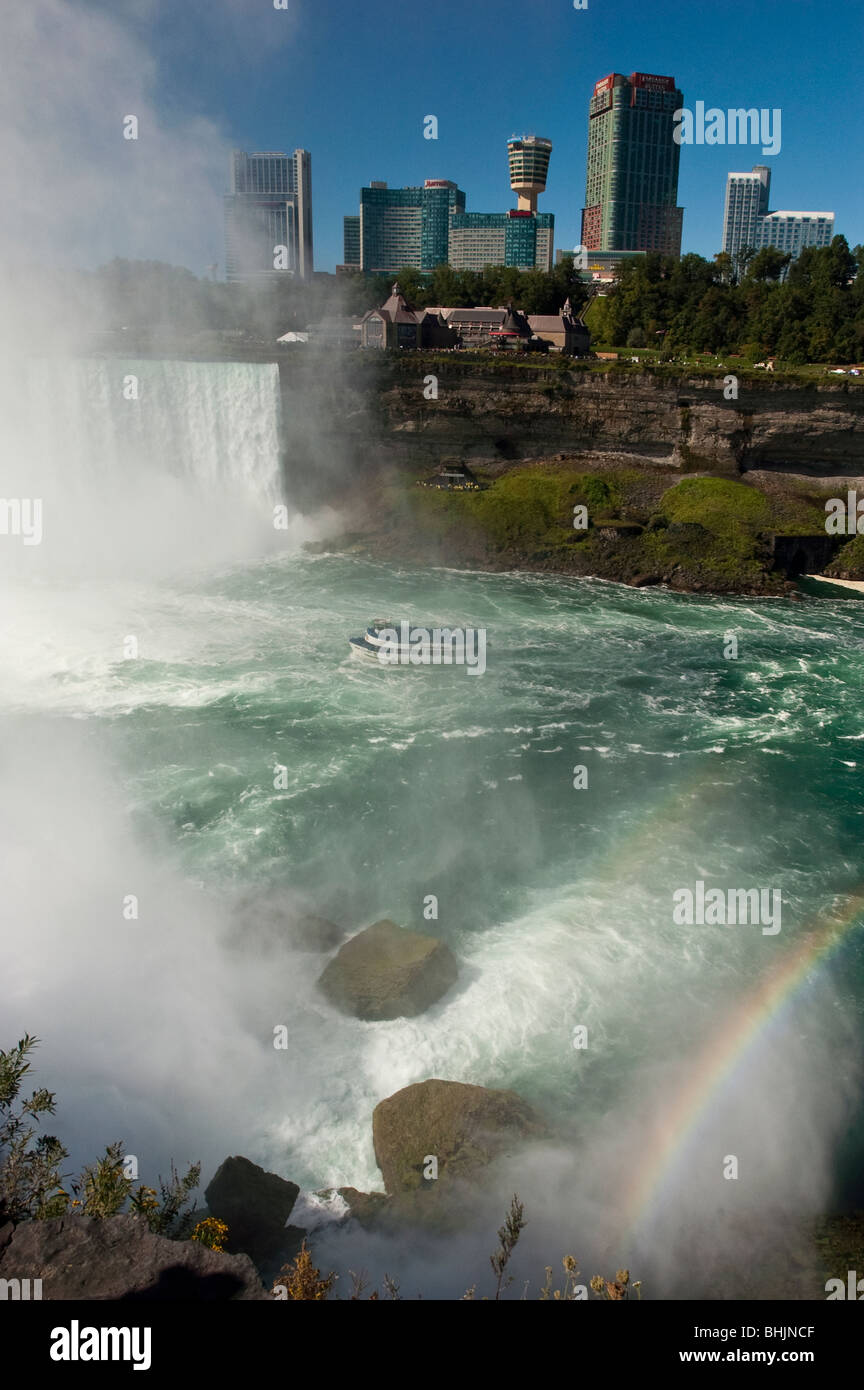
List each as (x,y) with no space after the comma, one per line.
(768,264)
(30,1178)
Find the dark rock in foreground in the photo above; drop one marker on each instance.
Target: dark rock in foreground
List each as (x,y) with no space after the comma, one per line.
(463,1127)
(119,1257)
(389,972)
(255,1206)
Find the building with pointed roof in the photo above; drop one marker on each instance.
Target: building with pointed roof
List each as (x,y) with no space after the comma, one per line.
(397,325)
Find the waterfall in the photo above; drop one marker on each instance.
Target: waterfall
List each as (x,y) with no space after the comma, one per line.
(141,462)
(214,424)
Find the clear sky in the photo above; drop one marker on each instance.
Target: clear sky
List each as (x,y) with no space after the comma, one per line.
(352,83)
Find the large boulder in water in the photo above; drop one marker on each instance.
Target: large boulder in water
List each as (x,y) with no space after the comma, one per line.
(255,1206)
(120,1257)
(387,971)
(463,1127)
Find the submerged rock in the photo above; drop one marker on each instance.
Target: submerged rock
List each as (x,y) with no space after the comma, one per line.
(368,1208)
(120,1257)
(463,1128)
(269,922)
(389,972)
(255,1206)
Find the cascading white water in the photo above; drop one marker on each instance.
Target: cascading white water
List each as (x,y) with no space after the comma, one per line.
(140,464)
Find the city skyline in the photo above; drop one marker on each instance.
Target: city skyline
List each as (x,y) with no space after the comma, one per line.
(217,75)
(466,78)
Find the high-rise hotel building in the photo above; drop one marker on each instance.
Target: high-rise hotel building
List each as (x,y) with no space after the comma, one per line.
(427,227)
(268,215)
(748,222)
(746,202)
(522,236)
(519,238)
(631,189)
(407,226)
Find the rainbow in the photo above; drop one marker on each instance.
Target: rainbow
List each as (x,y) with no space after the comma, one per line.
(722,1058)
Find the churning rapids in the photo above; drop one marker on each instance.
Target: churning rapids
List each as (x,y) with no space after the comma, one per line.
(153,776)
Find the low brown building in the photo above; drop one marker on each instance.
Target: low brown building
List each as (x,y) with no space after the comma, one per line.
(397,325)
(562,332)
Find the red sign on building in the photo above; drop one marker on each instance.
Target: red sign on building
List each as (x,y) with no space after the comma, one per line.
(652,81)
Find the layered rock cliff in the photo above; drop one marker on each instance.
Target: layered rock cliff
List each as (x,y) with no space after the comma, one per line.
(416,410)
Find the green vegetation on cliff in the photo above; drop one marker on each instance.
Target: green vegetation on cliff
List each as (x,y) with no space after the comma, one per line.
(32,1186)
(701,533)
(848,563)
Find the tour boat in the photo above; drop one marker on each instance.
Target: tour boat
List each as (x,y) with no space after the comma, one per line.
(370,644)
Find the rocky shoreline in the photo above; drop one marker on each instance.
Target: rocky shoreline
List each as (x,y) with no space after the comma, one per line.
(592,516)
(436,1143)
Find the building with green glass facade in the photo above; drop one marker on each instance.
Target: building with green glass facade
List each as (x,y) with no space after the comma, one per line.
(351,242)
(518,237)
(631,188)
(407,226)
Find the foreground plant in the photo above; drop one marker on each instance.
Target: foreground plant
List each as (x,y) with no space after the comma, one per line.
(617,1289)
(32,1185)
(300,1280)
(514,1224)
(212,1233)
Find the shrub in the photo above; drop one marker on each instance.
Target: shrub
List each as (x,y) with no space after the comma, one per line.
(30,1178)
(300,1280)
(211,1233)
(31,1184)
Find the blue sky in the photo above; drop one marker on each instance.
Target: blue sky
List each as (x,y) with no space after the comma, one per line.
(352,83)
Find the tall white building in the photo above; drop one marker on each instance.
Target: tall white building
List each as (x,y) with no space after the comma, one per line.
(746,202)
(747,221)
(792,231)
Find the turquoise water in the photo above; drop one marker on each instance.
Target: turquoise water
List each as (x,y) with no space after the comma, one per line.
(405,783)
(154,777)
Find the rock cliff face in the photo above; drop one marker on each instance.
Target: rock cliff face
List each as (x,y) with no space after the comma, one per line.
(685,424)
(369,411)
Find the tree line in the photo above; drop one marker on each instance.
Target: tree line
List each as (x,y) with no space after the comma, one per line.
(759,304)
